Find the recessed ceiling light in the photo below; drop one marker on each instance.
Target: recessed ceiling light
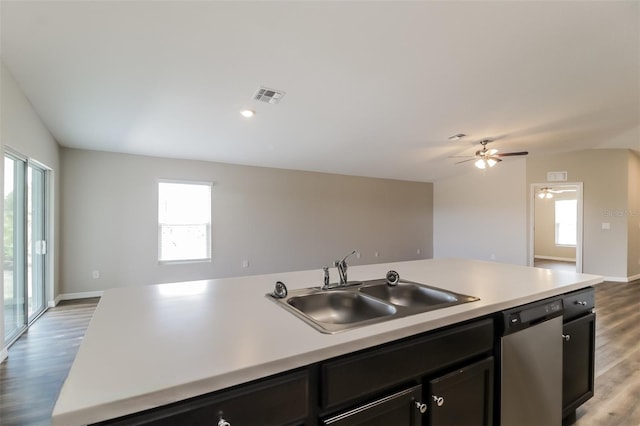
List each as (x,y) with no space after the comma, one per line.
(248,113)
(457,137)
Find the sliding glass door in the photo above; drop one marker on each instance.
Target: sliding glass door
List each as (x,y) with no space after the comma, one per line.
(15,318)
(25,245)
(36,242)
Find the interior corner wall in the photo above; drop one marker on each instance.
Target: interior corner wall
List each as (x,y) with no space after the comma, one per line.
(482,214)
(605,179)
(22,130)
(633,215)
(277,220)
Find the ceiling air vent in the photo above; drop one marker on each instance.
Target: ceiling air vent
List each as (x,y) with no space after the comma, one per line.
(268,96)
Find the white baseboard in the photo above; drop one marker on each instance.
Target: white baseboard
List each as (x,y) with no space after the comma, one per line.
(561,259)
(3,354)
(81,295)
(621,279)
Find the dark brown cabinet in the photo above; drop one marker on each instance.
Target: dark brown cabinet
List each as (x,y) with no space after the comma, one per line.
(463,397)
(457,388)
(282,400)
(578,352)
(401,408)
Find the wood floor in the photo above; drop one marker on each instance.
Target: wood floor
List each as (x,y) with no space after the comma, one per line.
(617,391)
(38,362)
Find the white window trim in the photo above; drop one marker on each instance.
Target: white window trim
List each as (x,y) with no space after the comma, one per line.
(209,225)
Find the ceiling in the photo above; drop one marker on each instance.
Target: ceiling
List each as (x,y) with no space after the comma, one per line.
(372,88)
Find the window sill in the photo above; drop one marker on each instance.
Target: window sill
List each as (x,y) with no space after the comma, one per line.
(184,261)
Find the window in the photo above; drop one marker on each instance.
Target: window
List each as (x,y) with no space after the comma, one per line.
(566,222)
(184,221)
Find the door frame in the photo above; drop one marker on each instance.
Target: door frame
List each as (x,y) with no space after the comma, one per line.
(532,219)
(48,271)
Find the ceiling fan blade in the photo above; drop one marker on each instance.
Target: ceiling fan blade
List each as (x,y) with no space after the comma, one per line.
(464,161)
(509,154)
(492,152)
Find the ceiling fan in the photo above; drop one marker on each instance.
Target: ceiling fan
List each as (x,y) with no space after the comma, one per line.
(547,192)
(488,157)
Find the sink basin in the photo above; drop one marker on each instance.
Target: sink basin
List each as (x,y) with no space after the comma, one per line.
(370,302)
(340,307)
(409,294)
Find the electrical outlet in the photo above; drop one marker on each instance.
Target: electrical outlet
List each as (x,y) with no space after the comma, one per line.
(376,254)
(245,263)
(95,274)
(358,255)
(418,251)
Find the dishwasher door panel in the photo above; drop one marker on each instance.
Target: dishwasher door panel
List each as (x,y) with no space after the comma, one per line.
(531,376)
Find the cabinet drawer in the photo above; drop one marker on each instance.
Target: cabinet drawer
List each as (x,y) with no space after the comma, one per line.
(279,401)
(397,409)
(369,372)
(578,303)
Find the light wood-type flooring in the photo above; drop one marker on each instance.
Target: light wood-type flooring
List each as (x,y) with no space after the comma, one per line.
(38,362)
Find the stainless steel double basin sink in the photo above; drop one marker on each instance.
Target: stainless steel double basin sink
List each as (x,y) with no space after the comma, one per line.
(345,308)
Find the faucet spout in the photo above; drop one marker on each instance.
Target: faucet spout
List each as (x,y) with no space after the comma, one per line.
(342,267)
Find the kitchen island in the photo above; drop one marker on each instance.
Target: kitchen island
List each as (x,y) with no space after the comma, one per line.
(151,346)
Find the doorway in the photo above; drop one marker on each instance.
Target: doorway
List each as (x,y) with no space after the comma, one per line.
(25,243)
(556,226)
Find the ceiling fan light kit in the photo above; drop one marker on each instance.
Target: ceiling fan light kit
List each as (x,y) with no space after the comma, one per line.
(487,158)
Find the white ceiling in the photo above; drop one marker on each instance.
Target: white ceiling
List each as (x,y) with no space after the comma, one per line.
(372,88)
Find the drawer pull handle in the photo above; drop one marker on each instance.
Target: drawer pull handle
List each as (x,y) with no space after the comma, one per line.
(566,337)
(223,422)
(581,303)
(438,400)
(421,407)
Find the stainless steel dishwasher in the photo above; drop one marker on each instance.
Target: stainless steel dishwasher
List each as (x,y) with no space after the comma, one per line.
(531,365)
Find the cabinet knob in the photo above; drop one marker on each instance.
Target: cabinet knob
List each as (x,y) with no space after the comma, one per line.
(438,400)
(566,337)
(421,407)
(581,302)
(223,422)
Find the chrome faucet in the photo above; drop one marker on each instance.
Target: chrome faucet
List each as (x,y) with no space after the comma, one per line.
(342,268)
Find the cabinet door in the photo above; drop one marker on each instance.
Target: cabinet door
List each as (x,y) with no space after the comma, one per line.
(578,362)
(279,401)
(402,408)
(463,397)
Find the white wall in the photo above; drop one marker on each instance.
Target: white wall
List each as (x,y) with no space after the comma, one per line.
(482,213)
(278,220)
(22,130)
(604,173)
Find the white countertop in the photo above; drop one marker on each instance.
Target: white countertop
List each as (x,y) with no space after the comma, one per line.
(153,345)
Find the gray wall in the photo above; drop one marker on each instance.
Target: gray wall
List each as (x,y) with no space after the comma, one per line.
(278,220)
(481,214)
(545,229)
(604,173)
(22,130)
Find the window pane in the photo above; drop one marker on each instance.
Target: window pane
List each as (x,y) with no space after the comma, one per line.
(566,222)
(184,221)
